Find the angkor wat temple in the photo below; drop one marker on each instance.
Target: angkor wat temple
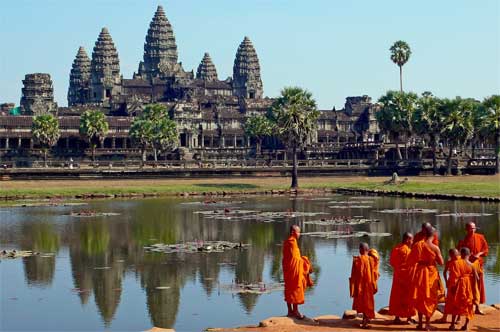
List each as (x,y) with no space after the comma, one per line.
(209,112)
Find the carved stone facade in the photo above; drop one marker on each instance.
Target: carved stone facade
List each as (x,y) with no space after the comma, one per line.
(210,113)
(38,95)
(79,79)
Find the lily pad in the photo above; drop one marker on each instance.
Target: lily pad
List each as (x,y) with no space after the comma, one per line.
(464,215)
(409,211)
(345,234)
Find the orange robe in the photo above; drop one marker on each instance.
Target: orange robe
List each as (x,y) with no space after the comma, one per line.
(425,289)
(476,293)
(363,284)
(399,302)
(296,269)
(447,267)
(477,243)
(421,236)
(460,295)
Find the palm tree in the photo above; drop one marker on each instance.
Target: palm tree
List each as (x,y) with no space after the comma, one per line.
(259,127)
(154,129)
(141,132)
(295,113)
(395,115)
(427,121)
(94,127)
(45,130)
(492,105)
(400,54)
(457,125)
(479,130)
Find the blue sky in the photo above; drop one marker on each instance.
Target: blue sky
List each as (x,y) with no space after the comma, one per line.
(333,48)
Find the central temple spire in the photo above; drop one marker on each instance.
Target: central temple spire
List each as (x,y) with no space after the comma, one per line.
(160,47)
(247,82)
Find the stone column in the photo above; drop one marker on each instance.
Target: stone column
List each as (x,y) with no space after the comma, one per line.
(222,141)
(7,143)
(212,141)
(234,141)
(19,142)
(125,143)
(113,142)
(32,143)
(202,141)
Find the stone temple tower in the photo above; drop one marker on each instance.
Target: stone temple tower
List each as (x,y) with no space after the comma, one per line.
(160,49)
(79,79)
(246,72)
(104,69)
(206,70)
(38,95)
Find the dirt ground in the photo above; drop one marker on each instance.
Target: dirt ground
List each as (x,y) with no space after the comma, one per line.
(488,323)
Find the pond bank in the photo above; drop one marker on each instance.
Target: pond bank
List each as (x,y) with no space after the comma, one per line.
(330,323)
(457,187)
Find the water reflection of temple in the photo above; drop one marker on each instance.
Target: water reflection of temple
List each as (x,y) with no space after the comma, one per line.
(103,251)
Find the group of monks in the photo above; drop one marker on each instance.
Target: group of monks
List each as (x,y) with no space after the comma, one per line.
(416,288)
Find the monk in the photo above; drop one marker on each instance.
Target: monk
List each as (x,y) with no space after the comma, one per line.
(425,288)
(296,270)
(479,248)
(399,302)
(459,301)
(363,283)
(453,255)
(421,235)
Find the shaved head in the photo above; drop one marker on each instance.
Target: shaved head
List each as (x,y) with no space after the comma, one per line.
(363,248)
(464,252)
(295,230)
(407,236)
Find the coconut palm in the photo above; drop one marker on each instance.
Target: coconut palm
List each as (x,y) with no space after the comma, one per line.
(94,127)
(45,131)
(295,113)
(457,125)
(395,116)
(400,54)
(492,105)
(427,121)
(259,127)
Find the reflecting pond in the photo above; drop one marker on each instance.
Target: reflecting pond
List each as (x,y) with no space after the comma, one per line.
(101,277)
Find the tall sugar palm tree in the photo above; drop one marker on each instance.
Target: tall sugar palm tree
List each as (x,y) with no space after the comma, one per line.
(492,105)
(400,54)
(94,127)
(45,131)
(295,113)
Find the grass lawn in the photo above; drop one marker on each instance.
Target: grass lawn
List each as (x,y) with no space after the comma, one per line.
(488,186)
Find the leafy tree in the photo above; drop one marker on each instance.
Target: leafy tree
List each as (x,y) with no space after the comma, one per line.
(427,121)
(457,124)
(295,113)
(259,127)
(400,54)
(141,132)
(94,127)
(395,116)
(154,129)
(45,130)
(492,105)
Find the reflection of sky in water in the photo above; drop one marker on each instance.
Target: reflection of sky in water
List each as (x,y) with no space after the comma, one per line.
(37,293)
